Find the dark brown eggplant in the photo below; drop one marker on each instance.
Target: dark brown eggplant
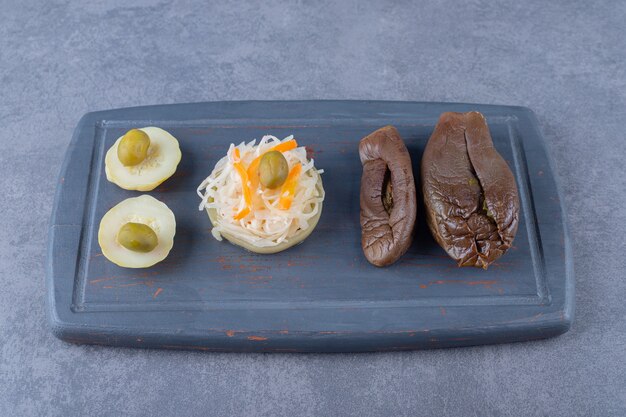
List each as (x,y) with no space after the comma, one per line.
(470,195)
(388,197)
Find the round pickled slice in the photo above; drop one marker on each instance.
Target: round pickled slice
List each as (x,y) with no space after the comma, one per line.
(137,233)
(160,162)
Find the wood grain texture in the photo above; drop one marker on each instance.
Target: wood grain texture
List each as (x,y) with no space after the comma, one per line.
(321,295)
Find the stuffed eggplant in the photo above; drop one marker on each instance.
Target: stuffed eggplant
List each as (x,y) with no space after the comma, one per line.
(470,194)
(388,197)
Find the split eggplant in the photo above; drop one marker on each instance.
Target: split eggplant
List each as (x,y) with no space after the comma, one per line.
(470,195)
(388,197)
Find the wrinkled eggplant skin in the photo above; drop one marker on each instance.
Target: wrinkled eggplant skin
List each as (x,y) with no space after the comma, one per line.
(470,195)
(387,221)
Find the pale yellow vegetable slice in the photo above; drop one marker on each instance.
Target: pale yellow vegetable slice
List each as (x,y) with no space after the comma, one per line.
(163,158)
(145,210)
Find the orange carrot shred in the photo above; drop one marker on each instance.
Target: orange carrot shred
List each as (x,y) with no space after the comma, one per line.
(288,190)
(253,168)
(285,146)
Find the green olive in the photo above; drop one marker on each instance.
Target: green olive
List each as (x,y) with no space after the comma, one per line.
(133,148)
(273,169)
(137,237)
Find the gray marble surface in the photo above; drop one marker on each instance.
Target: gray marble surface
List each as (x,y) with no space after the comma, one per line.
(564,59)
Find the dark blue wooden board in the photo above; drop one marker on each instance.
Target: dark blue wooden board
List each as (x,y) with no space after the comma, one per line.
(322,295)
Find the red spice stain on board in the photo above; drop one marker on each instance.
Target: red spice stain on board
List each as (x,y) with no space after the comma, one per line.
(422,286)
(95,281)
(311,152)
(263,279)
(148,283)
(157,292)
(257,338)
(443,311)
(484,282)
(230,333)
(254,268)
(297,263)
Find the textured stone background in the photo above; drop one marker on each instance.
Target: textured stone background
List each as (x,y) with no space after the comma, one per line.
(564,59)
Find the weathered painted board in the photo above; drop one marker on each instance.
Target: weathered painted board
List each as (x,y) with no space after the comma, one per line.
(320,296)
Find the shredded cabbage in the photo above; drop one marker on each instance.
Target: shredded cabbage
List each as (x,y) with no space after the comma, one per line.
(266,224)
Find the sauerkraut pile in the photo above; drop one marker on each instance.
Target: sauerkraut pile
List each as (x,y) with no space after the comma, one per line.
(252,213)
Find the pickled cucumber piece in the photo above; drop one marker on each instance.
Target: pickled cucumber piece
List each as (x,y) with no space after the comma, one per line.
(137,233)
(160,162)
